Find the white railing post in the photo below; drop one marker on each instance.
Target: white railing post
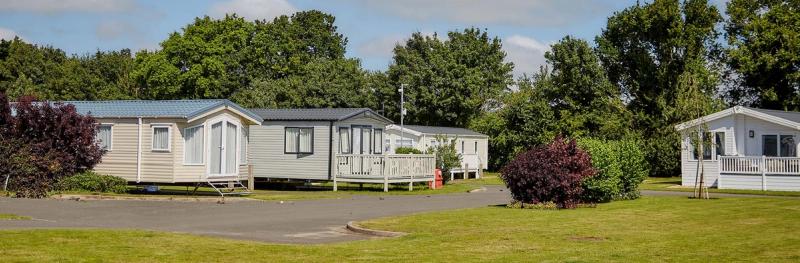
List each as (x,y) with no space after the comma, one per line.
(720,163)
(763,172)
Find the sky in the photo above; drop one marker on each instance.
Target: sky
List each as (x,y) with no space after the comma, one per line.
(373,28)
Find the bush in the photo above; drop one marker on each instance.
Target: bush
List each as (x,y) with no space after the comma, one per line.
(549,173)
(446,155)
(605,185)
(407,150)
(92,182)
(621,166)
(44,142)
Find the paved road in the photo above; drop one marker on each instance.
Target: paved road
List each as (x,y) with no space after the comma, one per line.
(311,221)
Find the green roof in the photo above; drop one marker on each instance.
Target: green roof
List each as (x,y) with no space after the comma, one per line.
(185,109)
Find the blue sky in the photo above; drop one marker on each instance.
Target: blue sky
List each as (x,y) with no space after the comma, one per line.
(372,27)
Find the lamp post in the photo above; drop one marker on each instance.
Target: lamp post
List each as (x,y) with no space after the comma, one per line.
(402,112)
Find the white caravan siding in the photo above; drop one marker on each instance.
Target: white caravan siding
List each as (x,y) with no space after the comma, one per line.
(270,161)
(737,142)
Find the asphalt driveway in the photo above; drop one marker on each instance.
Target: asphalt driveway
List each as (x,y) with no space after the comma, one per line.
(310,221)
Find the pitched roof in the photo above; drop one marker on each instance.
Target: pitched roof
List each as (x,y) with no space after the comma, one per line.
(318,114)
(185,109)
(440,130)
(786,118)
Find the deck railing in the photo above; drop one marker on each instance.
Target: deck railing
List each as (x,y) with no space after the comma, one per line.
(385,168)
(759,165)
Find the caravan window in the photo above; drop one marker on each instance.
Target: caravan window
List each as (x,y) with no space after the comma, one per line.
(104,136)
(161,139)
(778,145)
(720,143)
(707,146)
(299,140)
(193,141)
(377,140)
(344,140)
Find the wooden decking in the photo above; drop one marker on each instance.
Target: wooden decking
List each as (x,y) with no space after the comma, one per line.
(759,173)
(384,169)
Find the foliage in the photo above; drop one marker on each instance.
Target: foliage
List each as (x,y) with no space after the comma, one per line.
(526,120)
(581,97)
(48,73)
(449,82)
(446,155)
(92,182)
(645,49)
(552,172)
(621,166)
(407,150)
(764,52)
(47,141)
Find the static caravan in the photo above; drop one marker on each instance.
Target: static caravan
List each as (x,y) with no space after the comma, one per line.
(473,146)
(172,141)
(749,149)
(302,143)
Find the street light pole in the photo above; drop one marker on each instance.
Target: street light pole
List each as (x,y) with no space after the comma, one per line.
(402,113)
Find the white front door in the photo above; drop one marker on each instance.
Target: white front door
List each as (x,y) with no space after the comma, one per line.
(222,149)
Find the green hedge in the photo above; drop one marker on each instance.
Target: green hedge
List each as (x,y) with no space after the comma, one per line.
(621,166)
(407,150)
(92,182)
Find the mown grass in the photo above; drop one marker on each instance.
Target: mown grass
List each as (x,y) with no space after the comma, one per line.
(670,229)
(317,191)
(674,184)
(12,217)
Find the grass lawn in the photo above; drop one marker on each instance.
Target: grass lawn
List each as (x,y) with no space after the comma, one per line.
(673,183)
(13,217)
(323,191)
(649,229)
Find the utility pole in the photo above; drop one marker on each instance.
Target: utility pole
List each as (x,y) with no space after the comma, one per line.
(402,113)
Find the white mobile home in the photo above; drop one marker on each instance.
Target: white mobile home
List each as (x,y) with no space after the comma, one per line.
(172,141)
(473,146)
(330,144)
(751,149)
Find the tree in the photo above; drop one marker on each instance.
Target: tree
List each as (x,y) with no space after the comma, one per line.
(446,155)
(525,120)
(449,82)
(47,141)
(321,83)
(645,49)
(764,52)
(582,98)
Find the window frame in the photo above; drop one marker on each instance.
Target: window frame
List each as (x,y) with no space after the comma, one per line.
(244,146)
(203,158)
(153,128)
(778,143)
(110,145)
(349,138)
(712,150)
(299,129)
(374,137)
(361,143)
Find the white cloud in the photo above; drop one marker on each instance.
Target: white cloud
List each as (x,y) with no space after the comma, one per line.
(8,34)
(58,6)
(513,12)
(252,9)
(526,53)
(111,30)
(383,46)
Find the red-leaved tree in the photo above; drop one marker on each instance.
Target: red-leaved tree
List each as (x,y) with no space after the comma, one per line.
(44,142)
(549,173)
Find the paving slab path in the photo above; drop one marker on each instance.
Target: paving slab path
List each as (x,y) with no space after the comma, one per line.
(305,222)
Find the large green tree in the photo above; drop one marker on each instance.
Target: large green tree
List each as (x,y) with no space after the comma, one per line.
(764,52)
(578,90)
(448,82)
(525,120)
(645,49)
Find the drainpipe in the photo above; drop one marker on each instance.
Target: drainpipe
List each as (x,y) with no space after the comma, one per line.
(139,152)
(330,152)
